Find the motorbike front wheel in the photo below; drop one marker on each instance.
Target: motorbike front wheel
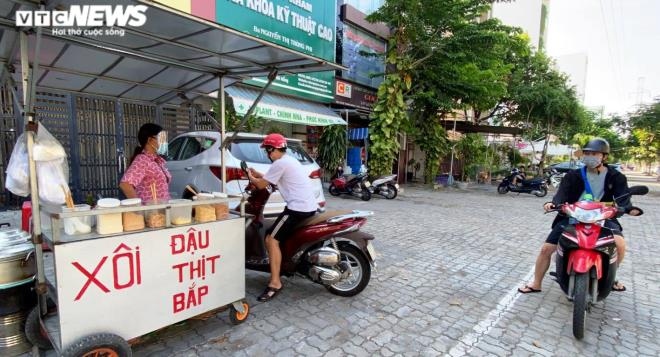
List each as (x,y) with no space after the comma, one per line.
(502,189)
(541,192)
(333,190)
(580,304)
(391,191)
(360,272)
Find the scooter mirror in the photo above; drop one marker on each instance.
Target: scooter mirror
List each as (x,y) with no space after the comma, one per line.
(639,190)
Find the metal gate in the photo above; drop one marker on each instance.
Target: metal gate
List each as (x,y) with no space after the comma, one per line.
(96,149)
(98,134)
(9,131)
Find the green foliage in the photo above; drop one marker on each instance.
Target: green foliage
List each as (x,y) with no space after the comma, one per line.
(472,150)
(540,100)
(644,127)
(389,113)
(332,147)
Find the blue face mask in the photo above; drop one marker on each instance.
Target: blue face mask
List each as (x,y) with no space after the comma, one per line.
(162,149)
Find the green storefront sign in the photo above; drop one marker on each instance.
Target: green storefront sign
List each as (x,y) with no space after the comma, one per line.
(307,26)
(317,86)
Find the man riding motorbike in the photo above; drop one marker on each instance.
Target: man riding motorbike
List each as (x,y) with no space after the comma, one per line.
(518,176)
(595,182)
(296,189)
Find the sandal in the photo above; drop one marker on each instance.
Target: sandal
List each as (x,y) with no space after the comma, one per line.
(268,294)
(529,290)
(615,288)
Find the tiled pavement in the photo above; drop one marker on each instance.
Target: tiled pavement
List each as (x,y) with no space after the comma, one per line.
(448,268)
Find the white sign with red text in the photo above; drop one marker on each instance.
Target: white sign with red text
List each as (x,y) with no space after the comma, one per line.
(137,283)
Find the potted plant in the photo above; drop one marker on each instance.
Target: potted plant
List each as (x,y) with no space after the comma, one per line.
(332,148)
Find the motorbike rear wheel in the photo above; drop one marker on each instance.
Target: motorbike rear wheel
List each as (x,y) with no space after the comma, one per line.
(542,191)
(333,190)
(502,189)
(580,304)
(360,272)
(391,191)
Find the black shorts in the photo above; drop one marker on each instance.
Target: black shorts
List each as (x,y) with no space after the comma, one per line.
(286,222)
(553,237)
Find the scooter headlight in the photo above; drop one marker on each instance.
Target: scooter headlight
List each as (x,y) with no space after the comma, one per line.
(587,216)
(367,184)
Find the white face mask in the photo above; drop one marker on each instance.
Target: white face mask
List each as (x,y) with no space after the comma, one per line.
(592,162)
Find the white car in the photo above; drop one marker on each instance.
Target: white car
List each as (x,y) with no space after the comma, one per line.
(194,159)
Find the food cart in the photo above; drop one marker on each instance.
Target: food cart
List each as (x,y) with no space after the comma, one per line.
(111,288)
(96,291)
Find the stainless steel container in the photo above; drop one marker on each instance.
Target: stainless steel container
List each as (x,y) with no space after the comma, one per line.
(17,270)
(16,257)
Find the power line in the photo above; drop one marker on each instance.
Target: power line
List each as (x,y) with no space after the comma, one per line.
(609,48)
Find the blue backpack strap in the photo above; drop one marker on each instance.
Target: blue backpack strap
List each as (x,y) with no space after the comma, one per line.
(589,195)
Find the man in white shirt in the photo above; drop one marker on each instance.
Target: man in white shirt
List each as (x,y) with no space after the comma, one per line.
(296,189)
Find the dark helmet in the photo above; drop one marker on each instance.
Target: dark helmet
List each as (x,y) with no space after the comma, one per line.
(597,145)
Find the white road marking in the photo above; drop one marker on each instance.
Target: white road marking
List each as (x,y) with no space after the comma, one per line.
(470,340)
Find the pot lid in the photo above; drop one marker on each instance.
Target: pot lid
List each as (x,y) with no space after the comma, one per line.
(16,251)
(131,202)
(108,203)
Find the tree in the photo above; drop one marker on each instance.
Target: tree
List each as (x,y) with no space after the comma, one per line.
(540,100)
(644,127)
(440,59)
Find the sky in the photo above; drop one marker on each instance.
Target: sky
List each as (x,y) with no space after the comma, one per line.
(622,41)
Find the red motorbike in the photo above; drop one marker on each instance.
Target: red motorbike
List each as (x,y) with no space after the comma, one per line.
(586,260)
(327,248)
(354,185)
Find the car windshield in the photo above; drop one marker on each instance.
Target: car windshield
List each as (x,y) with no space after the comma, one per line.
(251,151)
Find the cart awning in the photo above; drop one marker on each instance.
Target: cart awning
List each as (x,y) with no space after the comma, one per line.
(172,54)
(283,108)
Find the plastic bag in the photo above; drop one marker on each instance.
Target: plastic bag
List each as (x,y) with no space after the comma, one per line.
(46,147)
(18,171)
(51,177)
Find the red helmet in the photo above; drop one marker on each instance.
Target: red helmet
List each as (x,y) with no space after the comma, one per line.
(274,140)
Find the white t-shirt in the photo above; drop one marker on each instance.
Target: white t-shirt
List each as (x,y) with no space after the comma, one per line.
(294,184)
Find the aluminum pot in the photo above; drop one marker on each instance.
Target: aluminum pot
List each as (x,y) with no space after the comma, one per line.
(19,296)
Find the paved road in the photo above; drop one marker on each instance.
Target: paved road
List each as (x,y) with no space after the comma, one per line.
(448,268)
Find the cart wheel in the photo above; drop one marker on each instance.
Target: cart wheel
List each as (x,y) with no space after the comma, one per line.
(236,317)
(34,332)
(99,345)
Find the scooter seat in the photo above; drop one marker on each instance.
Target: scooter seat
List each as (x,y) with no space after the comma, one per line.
(321,217)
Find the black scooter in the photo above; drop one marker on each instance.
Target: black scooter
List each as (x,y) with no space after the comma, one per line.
(537,187)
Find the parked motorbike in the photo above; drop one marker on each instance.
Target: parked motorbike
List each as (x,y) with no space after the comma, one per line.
(327,248)
(536,187)
(554,178)
(354,185)
(586,264)
(385,186)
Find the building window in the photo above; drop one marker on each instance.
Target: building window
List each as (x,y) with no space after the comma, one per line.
(365,6)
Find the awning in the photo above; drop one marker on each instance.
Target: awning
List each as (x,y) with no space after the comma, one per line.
(358,133)
(173,53)
(283,108)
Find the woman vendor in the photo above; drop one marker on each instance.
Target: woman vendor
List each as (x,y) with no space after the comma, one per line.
(147,174)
